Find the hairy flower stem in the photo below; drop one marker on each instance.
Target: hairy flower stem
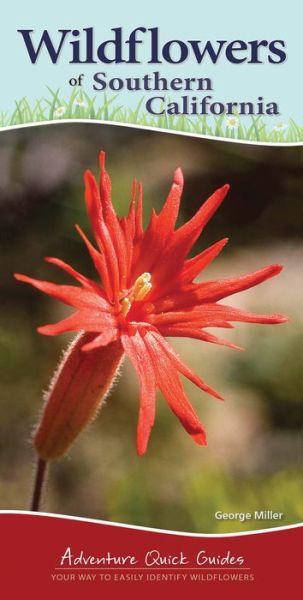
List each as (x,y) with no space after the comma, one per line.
(38,484)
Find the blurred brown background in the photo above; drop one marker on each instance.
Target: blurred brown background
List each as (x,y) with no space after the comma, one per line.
(254,457)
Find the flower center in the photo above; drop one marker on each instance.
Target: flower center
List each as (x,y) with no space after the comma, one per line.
(140,289)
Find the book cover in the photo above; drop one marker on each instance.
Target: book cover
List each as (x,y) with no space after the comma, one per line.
(151,289)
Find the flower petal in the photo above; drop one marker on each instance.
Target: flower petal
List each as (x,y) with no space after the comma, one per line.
(187,235)
(99,262)
(161,343)
(195,265)
(195,294)
(167,218)
(131,217)
(112,222)
(207,315)
(136,351)
(159,230)
(138,218)
(129,244)
(212,291)
(171,260)
(198,334)
(85,281)
(93,205)
(100,229)
(172,389)
(81,320)
(69,294)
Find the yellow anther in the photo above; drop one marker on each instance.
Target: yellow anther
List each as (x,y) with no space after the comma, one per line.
(142,286)
(143,291)
(125,304)
(140,289)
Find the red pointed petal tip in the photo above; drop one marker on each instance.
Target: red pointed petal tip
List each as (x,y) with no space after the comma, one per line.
(188,233)
(269,271)
(51,259)
(278,319)
(91,191)
(102,160)
(276,269)
(219,194)
(46,330)
(26,279)
(178,177)
(143,434)
(89,178)
(92,201)
(21,277)
(67,268)
(70,323)
(216,199)
(200,438)
(144,429)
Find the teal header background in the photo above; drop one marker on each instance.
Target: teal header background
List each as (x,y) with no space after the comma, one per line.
(189,20)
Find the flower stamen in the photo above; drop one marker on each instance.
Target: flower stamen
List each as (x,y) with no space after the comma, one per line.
(140,289)
(126,306)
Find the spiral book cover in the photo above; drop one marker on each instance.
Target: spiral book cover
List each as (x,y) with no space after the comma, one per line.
(151,288)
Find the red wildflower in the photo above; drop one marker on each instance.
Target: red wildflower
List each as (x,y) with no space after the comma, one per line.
(147,291)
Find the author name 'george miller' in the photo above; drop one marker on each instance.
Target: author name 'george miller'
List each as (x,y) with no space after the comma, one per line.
(257,515)
(152,558)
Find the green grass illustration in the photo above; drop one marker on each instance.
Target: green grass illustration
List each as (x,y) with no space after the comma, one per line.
(81,106)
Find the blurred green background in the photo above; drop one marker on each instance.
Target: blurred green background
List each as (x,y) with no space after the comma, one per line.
(254,457)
